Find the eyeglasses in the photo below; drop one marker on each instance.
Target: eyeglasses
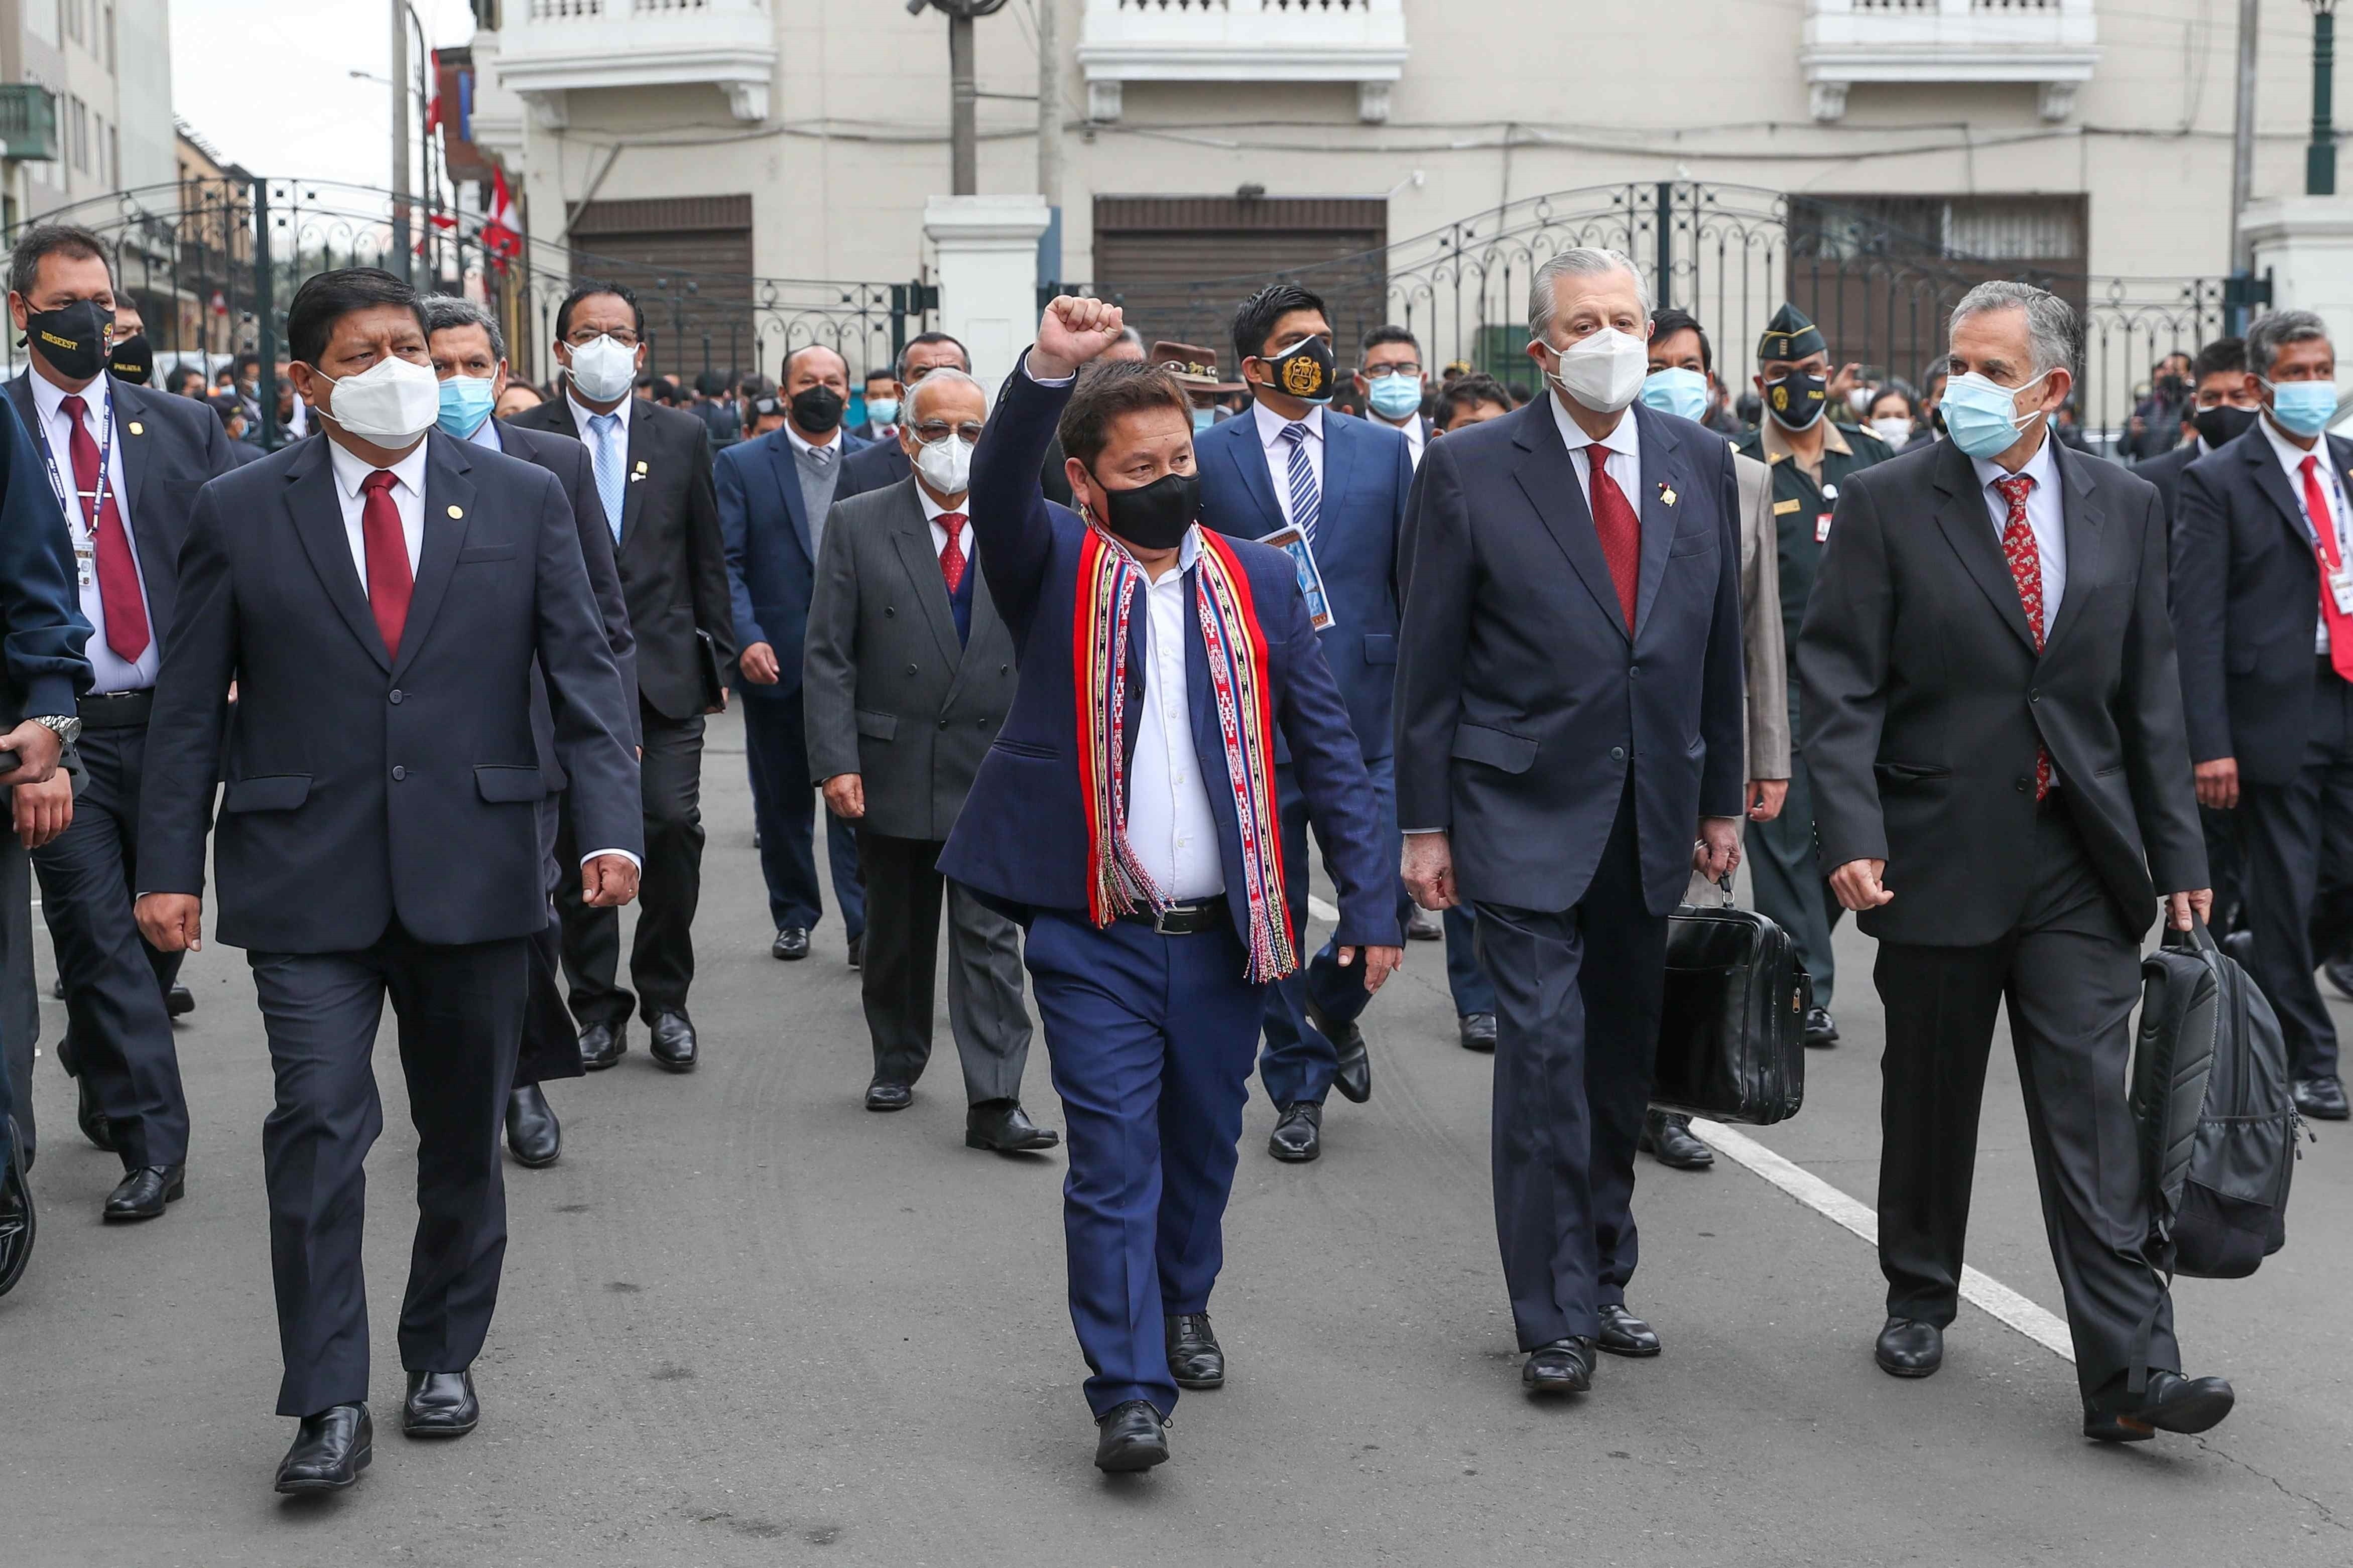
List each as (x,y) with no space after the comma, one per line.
(934,430)
(1400,367)
(624,336)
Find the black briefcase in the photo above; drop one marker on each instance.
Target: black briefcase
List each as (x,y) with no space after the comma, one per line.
(714,680)
(1732,1032)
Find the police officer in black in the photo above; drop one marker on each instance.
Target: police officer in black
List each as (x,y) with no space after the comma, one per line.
(1809,456)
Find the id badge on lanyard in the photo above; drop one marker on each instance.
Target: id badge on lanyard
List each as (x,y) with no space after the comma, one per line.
(82,525)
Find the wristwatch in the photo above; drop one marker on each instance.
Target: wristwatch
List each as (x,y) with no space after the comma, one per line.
(66,726)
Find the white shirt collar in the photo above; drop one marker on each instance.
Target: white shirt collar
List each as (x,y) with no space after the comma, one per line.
(832,443)
(486,434)
(1271,424)
(48,394)
(582,413)
(351,471)
(2043,468)
(2289,453)
(931,508)
(1621,440)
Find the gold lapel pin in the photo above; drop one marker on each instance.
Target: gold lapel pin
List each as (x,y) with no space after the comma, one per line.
(1667,493)
(457,511)
(137,428)
(641,464)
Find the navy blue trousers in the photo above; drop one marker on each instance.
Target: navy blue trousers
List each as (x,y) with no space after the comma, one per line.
(1299,1062)
(775,750)
(1151,1038)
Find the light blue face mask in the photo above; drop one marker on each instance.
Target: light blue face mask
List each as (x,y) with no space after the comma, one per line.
(1981,415)
(2303,407)
(1203,418)
(1394,395)
(882,410)
(1677,390)
(465,404)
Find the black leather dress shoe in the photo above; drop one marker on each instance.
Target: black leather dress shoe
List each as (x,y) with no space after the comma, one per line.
(1354,1076)
(2322,1098)
(1564,1366)
(1909,1348)
(602,1044)
(673,1044)
(179,1001)
(440,1404)
(1002,1127)
(881,1096)
(142,1194)
(1420,925)
(534,1135)
(791,944)
(2171,1403)
(1623,1334)
(18,1220)
(1133,1436)
(58,988)
(1298,1135)
(1478,1032)
(1196,1359)
(330,1450)
(1667,1137)
(2339,971)
(1820,1032)
(858,951)
(94,1123)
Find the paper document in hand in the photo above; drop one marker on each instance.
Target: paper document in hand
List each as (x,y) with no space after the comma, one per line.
(1311,581)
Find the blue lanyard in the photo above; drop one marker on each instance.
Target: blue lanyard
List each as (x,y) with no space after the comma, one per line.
(98,496)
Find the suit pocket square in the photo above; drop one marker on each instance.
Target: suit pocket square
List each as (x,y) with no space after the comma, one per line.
(1496,748)
(269,792)
(502,785)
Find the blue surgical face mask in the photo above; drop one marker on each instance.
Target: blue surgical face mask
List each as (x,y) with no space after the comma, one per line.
(1981,415)
(465,404)
(1394,395)
(1203,418)
(882,410)
(2303,407)
(1683,393)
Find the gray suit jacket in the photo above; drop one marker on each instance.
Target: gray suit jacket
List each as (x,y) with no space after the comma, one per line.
(887,693)
(1761,641)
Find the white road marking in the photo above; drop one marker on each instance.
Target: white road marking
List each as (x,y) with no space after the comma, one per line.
(1318,909)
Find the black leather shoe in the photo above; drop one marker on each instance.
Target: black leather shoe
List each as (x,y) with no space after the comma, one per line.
(1134,1436)
(330,1450)
(1354,1077)
(1623,1334)
(2339,971)
(1420,925)
(1298,1135)
(673,1044)
(142,1194)
(18,1220)
(858,951)
(440,1404)
(602,1044)
(881,1096)
(1194,1358)
(1002,1127)
(179,1001)
(1564,1366)
(1478,1032)
(2322,1098)
(94,1123)
(1909,1348)
(791,944)
(1667,1137)
(58,988)
(2171,1403)
(534,1135)
(1820,1032)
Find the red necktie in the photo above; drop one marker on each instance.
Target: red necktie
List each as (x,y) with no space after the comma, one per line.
(389,580)
(2025,558)
(952,561)
(1621,530)
(117,573)
(2323,530)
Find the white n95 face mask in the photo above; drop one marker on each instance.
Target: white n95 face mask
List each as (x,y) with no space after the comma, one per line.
(946,465)
(603,370)
(1603,371)
(390,403)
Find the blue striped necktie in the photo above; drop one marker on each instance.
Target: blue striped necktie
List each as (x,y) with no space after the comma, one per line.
(605,450)
(1306,500)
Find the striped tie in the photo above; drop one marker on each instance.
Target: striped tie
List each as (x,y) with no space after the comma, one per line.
(1306,501)
(604,452)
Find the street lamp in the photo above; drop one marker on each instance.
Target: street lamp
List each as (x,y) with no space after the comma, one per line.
(964,91)
(2320,158)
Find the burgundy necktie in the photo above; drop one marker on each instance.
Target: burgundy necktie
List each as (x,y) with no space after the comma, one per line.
(2025,558)
(952,561)
(117,573)
(1620,528)
(390,581)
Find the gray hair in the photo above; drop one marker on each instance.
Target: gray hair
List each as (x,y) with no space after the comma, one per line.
(443,311)
(2052,331)
(1583,261)
(2275,332)
(946,376)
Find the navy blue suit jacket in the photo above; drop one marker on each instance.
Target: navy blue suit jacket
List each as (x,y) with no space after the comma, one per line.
(771,562)
(42,634)
(1524,701)
(1022,837)
(1368,474)
(2246,598)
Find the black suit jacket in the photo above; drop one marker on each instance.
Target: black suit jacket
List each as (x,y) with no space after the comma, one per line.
(2246,602)
(1923,699)
(674,567)
(2165,470)
(363,787)
(874,467)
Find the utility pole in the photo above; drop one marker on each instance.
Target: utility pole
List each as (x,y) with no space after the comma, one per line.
(400,91)
(2320,158)
(1049,139)
(964,102)
(2242,145)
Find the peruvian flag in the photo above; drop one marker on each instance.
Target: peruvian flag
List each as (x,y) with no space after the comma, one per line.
(501,239)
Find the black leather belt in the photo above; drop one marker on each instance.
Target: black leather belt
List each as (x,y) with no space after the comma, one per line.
(117,710)
(1185,919)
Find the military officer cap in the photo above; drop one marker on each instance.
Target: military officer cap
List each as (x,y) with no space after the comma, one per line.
(1790,335)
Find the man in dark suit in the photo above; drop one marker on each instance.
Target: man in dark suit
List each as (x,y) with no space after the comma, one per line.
(1139,843)
(1993,716)
(883,463)
(775,495)
(134,460)
(1569,711)
(901,707)
(1292,462)
(469,355)
(652,468)
(382,598)
(2263,595)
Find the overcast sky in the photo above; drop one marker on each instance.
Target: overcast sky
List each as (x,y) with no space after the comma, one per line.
(268,83)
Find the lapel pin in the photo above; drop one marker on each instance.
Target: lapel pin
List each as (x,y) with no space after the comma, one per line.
(641,464)
(137,428)
(457,511)
(1666,493)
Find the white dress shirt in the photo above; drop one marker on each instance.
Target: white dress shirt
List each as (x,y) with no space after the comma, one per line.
(1415,437)
(486,434)
(108,671)
(2046,518)
(582,414)
(1169,826)
(2332,491)
(932,511)
(1622,448)
(1270,426)
(832,442)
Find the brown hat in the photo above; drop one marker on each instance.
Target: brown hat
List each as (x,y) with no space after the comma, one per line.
(1196,368)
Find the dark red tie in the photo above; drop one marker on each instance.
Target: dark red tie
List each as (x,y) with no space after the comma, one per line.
(952,561)
(2025,557)
(1621,530)
(117,573)
(389,582)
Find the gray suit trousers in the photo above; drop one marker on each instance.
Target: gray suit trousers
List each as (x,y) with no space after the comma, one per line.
(904,891)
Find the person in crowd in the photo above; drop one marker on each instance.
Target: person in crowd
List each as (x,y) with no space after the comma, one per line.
(1389,379)
(225,378)
(231,415)
(1811,458)
(1340,485)
(768,415)
(370,843)
(518,396)
(881,397)
(1932,397)
(186,381)
(1894,415)
(775,495)
(135,459)
(1136,834)
(2156,426)
(1196,370)
(652,467)
(1992,713)
(1128,348)
(130,358)
(902,708)
(2225,404)
(1569,723)
(884,463)
(717,411)
(1468,400)
(2263,547)
(469,357)
(2067,425)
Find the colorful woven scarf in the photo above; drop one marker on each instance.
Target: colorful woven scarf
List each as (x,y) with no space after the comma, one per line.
(1117,883)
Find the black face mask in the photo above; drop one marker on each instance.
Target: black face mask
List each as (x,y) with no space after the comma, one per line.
(2170,387)
(1795,400)
(2223,423)
(1153,516)
(72,338)
(818,409)
(131,359)
(1305,373)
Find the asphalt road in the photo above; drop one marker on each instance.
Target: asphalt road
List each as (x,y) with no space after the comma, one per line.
(746,1322)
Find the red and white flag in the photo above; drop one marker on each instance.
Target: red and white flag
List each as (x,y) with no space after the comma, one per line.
(501,240)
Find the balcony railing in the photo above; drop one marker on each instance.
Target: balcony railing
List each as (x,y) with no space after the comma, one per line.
(2052,43)
(1360,41)
(546,49)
